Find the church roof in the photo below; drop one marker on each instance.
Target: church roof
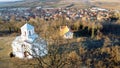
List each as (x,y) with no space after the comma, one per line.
(27,26)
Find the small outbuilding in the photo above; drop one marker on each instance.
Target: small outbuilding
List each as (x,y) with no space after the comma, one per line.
(66,32)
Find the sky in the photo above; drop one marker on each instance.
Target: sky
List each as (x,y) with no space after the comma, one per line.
(9,0)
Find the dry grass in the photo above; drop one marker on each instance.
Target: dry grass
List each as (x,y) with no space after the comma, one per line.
(5,49)
(112,4)
(105,0)
(5,46)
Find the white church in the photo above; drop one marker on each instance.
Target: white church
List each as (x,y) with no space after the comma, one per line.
(29,44)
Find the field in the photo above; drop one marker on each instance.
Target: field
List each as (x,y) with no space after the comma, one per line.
(5,49)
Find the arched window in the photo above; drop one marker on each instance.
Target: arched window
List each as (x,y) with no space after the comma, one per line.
(25,33)
(23,45)
(29,33)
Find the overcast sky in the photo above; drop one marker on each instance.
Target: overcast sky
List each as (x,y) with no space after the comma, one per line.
(8,0)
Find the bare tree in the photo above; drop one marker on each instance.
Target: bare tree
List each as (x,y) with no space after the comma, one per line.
(56,57)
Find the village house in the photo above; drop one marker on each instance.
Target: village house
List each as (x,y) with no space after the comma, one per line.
(29,44)
(65,32)
(90,14)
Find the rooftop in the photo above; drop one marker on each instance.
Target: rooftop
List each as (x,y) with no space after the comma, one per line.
(27,26)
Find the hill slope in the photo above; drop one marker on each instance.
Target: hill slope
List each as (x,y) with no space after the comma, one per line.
(31,3)
(62,3)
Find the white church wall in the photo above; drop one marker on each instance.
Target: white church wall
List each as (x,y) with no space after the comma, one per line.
(19,55)
(28,43)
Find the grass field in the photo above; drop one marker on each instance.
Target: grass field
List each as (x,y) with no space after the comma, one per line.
(5,49)
(5,46)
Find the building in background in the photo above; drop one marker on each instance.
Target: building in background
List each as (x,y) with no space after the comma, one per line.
(66,32)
